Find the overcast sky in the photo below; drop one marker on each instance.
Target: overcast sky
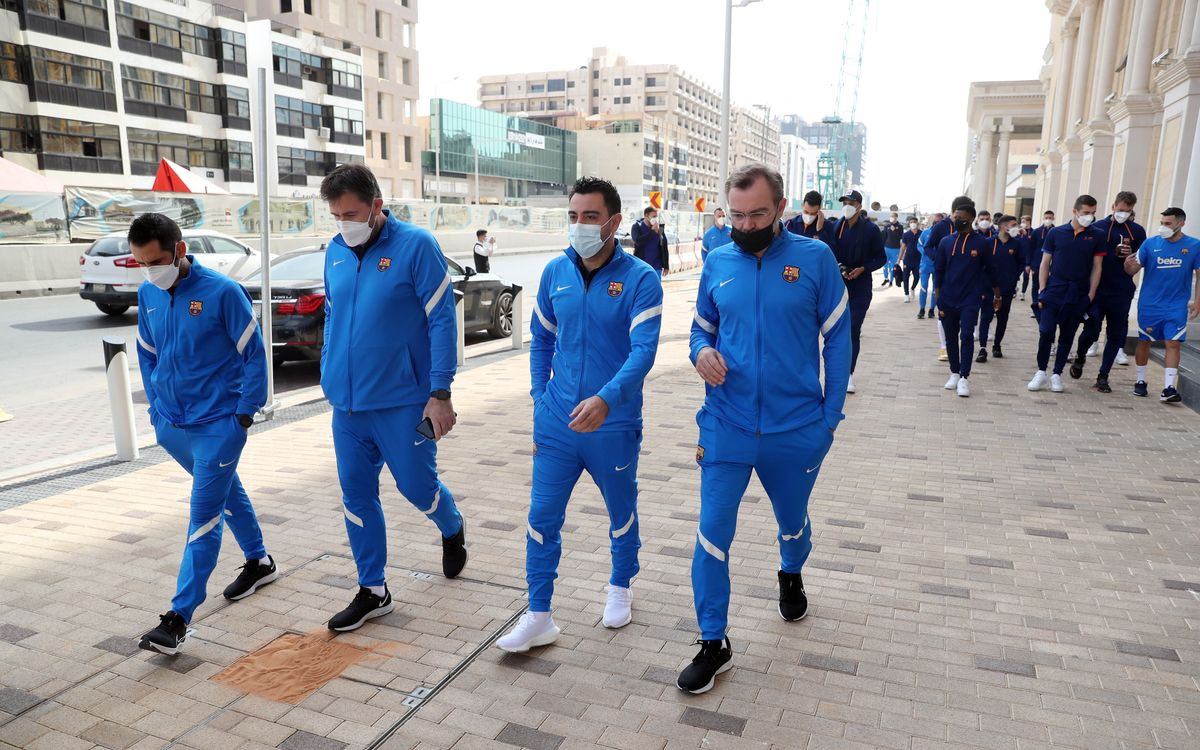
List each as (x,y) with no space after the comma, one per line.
(920,58)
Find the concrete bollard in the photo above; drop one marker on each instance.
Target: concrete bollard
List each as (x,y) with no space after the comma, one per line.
(518,318)
(120,398)
(460,323)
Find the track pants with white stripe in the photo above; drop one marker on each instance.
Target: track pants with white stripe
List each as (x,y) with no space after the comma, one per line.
(787,464)
(611,458)
(210,453)
(363,442)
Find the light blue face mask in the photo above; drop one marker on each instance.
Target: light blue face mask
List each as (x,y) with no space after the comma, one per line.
(587,238)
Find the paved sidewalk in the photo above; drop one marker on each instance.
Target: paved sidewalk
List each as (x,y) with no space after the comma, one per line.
(1012,570)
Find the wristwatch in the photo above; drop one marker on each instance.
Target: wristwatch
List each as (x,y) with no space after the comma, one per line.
(441,394)
(245,420)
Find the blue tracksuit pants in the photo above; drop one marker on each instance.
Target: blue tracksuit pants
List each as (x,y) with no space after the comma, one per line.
(363,442)
(987,314)
(210,453)
(927,286)
(611,458)
(858,314)
(893,255)
(1112,312)
(959,323)
(787,464)
(1064,318)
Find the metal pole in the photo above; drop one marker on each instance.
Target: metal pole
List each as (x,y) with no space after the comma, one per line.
(437,161)
(460,325)
(518,318)
(723,167)
(264,227)
(120,400)
(476,149)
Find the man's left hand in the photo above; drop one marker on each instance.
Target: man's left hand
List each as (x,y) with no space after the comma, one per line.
(1194,311)
(589,415)
(441,414)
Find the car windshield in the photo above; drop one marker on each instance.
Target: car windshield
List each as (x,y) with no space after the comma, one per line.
(298,267)
(107,247)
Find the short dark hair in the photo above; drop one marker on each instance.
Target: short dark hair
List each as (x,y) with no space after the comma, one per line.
(813,198)
(1176,212)
(1084,200)
(149,227)
(1127,197)
(645,211)
(479,233)
(960,200)
(984,211)
(350,178)
(744,177)
(969,207)
(1047,211)
(586,185)
(1001,218)
(718,208)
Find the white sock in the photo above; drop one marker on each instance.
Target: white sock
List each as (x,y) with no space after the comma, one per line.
(1141,372)
(541,618)
(265,561)
(1169,378)
(380,591)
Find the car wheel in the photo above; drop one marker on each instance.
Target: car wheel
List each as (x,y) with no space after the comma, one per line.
(502,324)
(112,309)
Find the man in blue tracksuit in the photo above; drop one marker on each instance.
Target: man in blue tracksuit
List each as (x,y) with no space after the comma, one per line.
(858,248)
(1122,237)
(716,236)
(810,222)
(963,268)
(595,334)
(1072,259)
(1037,238)
(893,234)
(1008,260)
(389,358)
(763,306)
(648,241)
(927,264)
(204,370)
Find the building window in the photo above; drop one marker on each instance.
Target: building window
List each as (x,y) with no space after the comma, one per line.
(625,82)
(288,66)
(408,110)
(408,149)
(383,65)
(370,144)
(232,57)
(407,38)
(383,151)
(74,146)
(293,116)
(537,88)
(148,32)
(154,94)
(285,6)
(406,73)
(147,147)
(346,125)
(235,107)
(595,92)
(616,81)
(595,75)
(85,20)
(65,78)
(651,81)
(11,58)
(556,84)
(18,133)
(344,79)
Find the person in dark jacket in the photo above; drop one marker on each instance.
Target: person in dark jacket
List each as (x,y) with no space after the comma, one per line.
(1037,238)
(858,247)
(811,222)
(649,241)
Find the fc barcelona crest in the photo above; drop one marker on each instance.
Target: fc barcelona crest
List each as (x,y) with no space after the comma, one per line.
(974,253)
(195,307)
(615,288)
(385,264)
(791,273)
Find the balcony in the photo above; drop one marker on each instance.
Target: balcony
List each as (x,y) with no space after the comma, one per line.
(91,164)
(149,49)
(157,111)
(55,93)
(65,29)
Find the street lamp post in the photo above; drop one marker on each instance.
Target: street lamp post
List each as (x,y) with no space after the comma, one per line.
(723,167)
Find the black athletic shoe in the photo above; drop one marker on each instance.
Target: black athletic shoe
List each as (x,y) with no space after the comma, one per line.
(1077,366)
(366,606)
(714,658)
(793,604)
(1102,383)
(921,314)
(1140,389)
(1170,395)
(982,356)
(168,637)
(454,553)
(997,352)
(931,315)
(253,576)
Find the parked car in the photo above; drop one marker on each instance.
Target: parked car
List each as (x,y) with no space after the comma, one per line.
(298,302)
(109,274)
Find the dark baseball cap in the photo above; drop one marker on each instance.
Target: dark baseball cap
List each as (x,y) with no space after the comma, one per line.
(853,195)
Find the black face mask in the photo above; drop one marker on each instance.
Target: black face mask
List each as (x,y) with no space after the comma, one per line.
(961,225)
(756,241)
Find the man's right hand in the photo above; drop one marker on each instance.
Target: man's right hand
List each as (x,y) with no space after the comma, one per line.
(855,273)
(711,366)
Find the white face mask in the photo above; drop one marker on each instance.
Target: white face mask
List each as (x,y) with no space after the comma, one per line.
(586,238)
(1165,231)
(1121,216)
(984,224)
(849,211)
(912,227)
(355,233)
(163,277)
(1085,219)
(1048,222)
(1024,225)
(654,222)
(808,218)
(720,221)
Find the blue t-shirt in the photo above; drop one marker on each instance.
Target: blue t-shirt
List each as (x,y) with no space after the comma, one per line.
(1071,262)
(1167,273)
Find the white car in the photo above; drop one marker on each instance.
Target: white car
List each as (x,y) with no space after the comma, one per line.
(110,277)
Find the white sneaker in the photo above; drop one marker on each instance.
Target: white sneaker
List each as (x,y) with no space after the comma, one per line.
(1056,383)
(1022,296)
(1038,382)
(617,610)
(943,356)
(964,390)
(850,385)
(1093,349)
(908,298)
(533,629)
(952,383)
(1121,359)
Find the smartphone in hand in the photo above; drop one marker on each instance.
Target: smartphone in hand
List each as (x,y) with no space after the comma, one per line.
(425,429)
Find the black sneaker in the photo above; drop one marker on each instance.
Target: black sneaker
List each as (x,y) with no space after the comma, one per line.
(365,606)
(997,352)
(921,314)
(1077,366)
(714,658)
(1102,383)
(168,637)
(254,574)
(454,553)
(982,356)
(1170,395)
(793,604)
(931,316)
(1140,389)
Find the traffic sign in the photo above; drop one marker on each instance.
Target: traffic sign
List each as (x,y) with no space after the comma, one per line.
(700,205)
(656,200)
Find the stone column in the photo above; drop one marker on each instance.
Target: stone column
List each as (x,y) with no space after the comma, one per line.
(1065,52)
(996,198)
(1110,25)
(983,163)
(1083,64)
(1142,48)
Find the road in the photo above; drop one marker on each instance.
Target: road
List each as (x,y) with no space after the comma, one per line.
(52,369)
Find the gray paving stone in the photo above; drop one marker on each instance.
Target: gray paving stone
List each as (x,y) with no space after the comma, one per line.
(181,663)
(926,498)
(1146,498)
(712,720)
(844,523)
(661,675)
(829,663)
(14,633)
(527,663)
(941,590)
(861,546)
(498,525)
(271,519)
(118,645)
(301,740)
(125,538)
(1008,666)
(840,567)
(1048,533)
(1181,585)
(340,582)
(1126,529)
(1056,506)
(14,700)
(1142,649)
(528,737)
(990,562)
(680,552)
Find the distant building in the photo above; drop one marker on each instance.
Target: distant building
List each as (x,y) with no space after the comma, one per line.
(798,165)
(820,135)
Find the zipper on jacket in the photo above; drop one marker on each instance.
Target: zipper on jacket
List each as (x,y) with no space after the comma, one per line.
(586,284)
(174,370)
(350,338)
(758,336)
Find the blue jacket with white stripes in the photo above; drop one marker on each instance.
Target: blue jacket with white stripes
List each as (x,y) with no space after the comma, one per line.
(199,349)
(390,329)
(595,336)
(764,316)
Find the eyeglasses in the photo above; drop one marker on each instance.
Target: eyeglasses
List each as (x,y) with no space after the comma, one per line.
(739,216)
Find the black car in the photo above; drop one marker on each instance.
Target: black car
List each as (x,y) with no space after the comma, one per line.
(298,302)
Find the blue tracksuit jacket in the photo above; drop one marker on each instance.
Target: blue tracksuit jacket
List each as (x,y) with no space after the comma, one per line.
(598,339)
(390,331)
(796,225)
(963,269)
(764,316)
(200,350)
(860,244)
(1115,284)
(713,238)
(1009,261)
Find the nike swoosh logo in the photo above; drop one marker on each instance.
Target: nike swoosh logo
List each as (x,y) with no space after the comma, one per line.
(723,283)
(568,286)
(810,471)
(230,463)
(418,442)
(623,468)
(338,261)
(151,309)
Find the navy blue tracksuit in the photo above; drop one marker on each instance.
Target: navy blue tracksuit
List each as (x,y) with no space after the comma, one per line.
(1008,258)
(649,245)
(858,245)
(963,267)
(1037,238)
(1064,301)
(911,259)
(1115,293)
(796,225)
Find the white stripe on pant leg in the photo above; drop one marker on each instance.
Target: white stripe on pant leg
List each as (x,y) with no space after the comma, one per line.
(533,534)
(709,547)
(352,518)
(625,529)
(229,512)
(793,537)
(437,498)
(212,524)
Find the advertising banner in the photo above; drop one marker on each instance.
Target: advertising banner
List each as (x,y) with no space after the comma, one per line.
(29,218)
